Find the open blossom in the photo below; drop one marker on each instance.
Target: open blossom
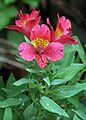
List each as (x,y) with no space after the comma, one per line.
(63,33)
(26,22)
(42,48)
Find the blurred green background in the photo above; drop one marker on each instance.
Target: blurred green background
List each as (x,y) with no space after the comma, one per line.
(75,10)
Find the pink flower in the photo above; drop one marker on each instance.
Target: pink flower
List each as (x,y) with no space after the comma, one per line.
(63,33)
(42,48)
(26,22)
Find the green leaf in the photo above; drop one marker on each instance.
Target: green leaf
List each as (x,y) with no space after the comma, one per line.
(80,50)
(8,114)
(80,109)
(68,56)
(70,71)
(58,81)
(80,113)
(76,117)
(9,1)
(10,82)
(28,112)
(1,113)
(27,40)
(1,87)
(6,15)
(69,90)
(47,80)
(21,82)
(17,90)
(66,74)
(13,101)
(51,106)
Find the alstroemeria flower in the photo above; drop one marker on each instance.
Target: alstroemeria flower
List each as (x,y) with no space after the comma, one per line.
(42,48)
(63,33)
(26,22)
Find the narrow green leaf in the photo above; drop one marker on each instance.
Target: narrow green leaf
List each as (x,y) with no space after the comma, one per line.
(21,82)
(28,112)
(17,90)
(8,114)
(10,82)
(51,106)
(70,71)
(69,90)
(27,40)
(1,87)
(80,109)
(76,117)
(1,113)
(80,50)
(80,113)
(66,74)
(47,80)
(68,56)
(13,101)
(58,81)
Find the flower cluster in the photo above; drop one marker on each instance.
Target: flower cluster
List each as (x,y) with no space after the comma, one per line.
(46,44)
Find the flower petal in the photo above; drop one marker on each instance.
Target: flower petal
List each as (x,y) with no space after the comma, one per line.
(31,23)
(67,39)
(65,24)
(55,51)
(51,29)
(20,29)
(40,32)
(41,61)
(34,14)
(63,27)
(27,51)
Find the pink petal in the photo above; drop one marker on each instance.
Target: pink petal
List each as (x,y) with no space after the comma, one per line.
(51,29)
(40,32)
(35,32)
(55,51)
(31,23)
(20,29)
(18,23)
(34,14)
(41,61)
(27,51)
(64,24)
(45,32)
(67,39)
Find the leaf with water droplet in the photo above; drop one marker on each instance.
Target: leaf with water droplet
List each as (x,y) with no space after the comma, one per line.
(51,106)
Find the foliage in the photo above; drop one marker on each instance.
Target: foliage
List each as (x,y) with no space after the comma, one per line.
(53,93)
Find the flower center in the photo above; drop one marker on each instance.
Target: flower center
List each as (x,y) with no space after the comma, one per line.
(39,42)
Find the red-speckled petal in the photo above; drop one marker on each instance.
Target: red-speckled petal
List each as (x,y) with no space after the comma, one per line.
(66,39)
(41,61)
(55,51)
(64,25)
(40,32)
(27,51)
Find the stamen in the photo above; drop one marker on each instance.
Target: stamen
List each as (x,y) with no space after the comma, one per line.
(40,42)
